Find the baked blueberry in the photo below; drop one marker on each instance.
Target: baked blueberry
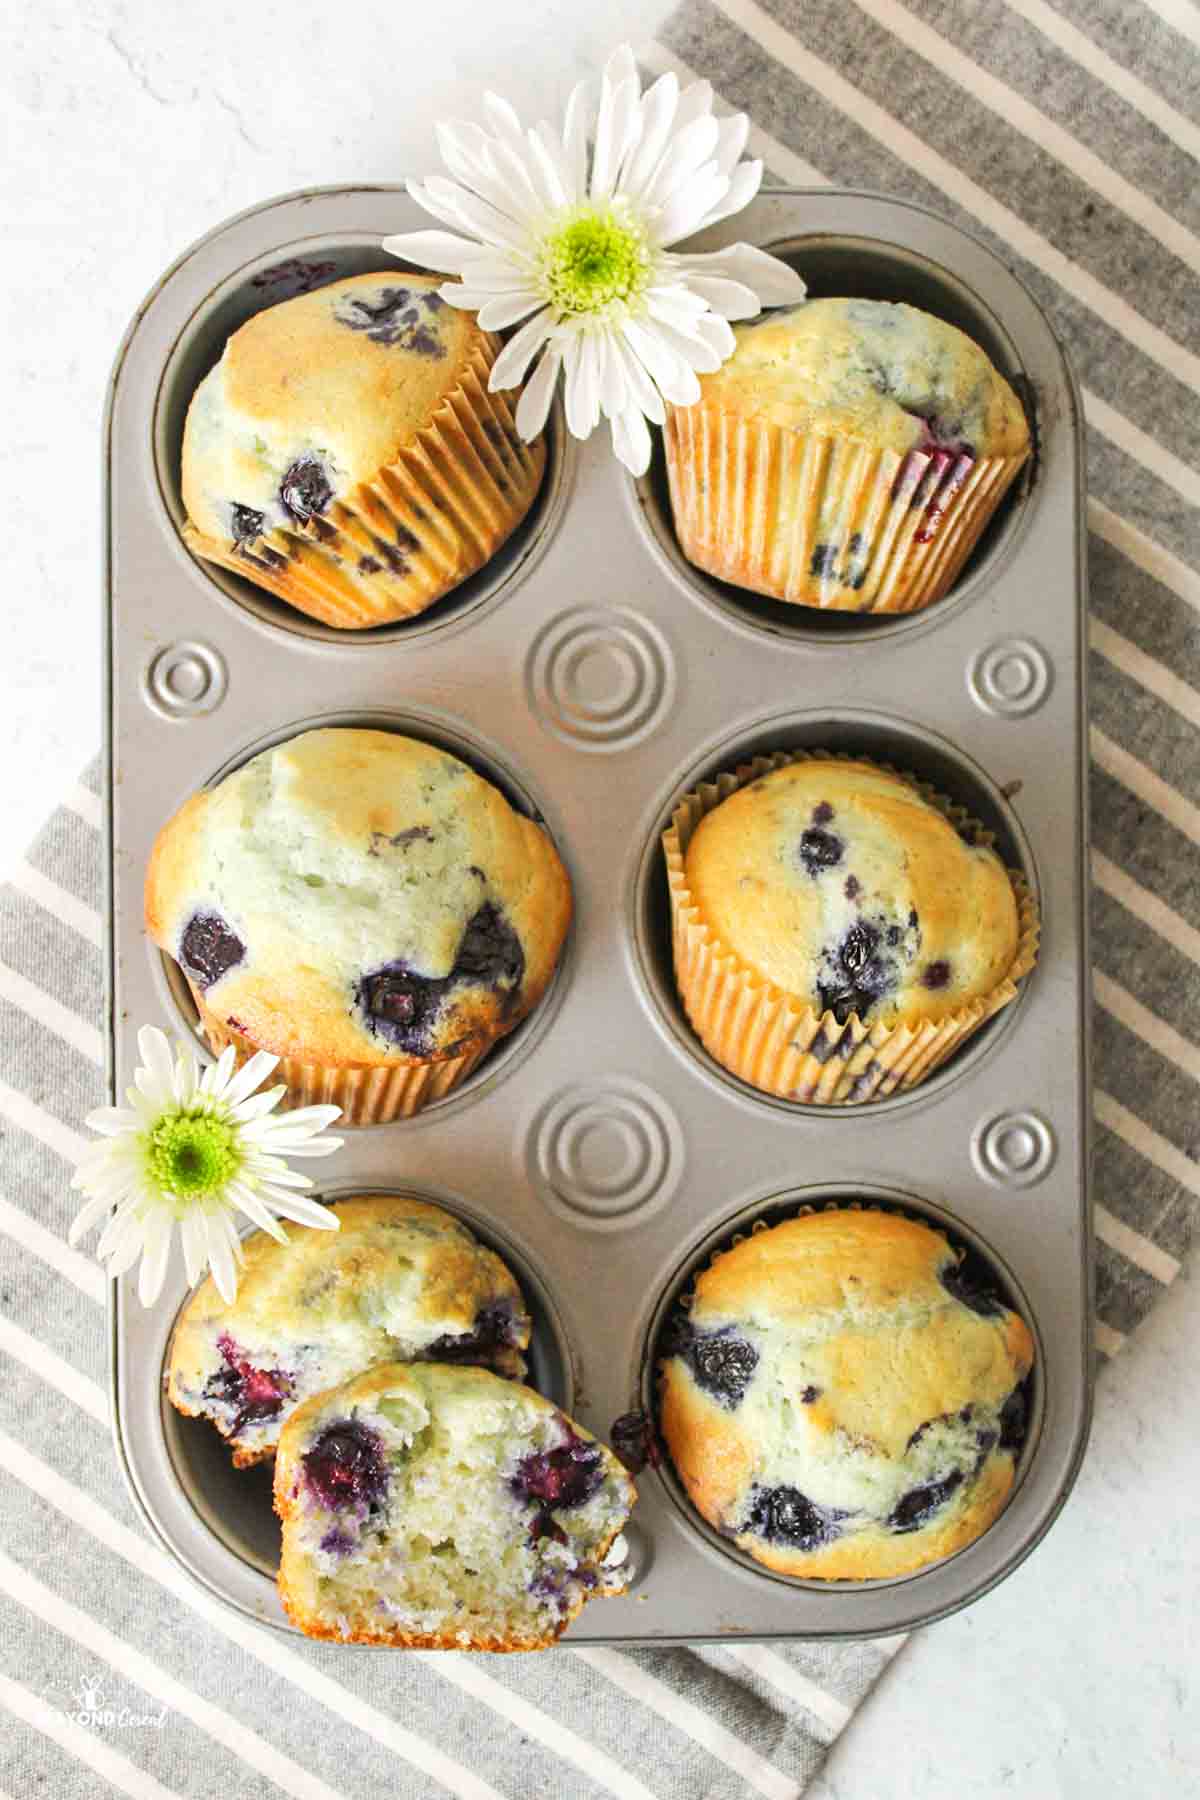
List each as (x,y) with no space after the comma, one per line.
(251,1393)
(346,1466)
(634,1441)
(209,948)
(820,850)
(494,1329)
(305,489)
(722,1363)
(783,1515)
(958,1280)
(247,523)
(913,1509)
(859,974)
(563,1477)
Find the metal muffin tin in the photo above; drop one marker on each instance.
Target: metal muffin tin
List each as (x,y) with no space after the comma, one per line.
(596,676)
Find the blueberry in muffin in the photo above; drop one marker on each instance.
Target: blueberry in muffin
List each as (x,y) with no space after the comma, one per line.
(399,1281)
(842,1400)
(425,1505)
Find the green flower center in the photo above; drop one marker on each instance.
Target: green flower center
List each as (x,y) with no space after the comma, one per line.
(191,1157)
(597,258)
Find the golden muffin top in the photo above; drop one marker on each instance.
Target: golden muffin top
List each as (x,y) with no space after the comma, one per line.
(355,897)
(845,888)
(843,1398)
(315,395)
(887,373)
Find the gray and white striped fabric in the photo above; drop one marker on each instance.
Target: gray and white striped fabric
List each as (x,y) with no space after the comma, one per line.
(1067,136)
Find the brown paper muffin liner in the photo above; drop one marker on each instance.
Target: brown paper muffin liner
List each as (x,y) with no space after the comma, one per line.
(767,1037)
(395,544)
(823,521)
(367,1096)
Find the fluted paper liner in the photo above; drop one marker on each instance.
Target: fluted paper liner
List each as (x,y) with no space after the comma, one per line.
(393,545)
(367,1095)
(765,1036)
(825,521)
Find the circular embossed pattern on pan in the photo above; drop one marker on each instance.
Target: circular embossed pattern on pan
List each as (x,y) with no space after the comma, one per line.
(980,1271)
(185,680)
(1010,678)
(600,678)
(604,1152)
(1014,1150)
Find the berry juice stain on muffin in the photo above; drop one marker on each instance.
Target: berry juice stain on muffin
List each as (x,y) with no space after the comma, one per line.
(395,317)
(877,1430)
(345,1467)
(403,1006)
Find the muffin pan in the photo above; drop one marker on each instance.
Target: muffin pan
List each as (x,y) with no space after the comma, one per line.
(592,673)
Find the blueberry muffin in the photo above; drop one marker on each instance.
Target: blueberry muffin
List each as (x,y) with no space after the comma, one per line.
(838,930)
(846,456)
(398,1281)
(443,1508)
(842,1400)
(365,907)
(346,455)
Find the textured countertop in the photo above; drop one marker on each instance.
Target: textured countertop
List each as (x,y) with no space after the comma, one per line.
(135,128)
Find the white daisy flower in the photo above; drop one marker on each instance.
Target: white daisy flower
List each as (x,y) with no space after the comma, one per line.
(577,250)
(196,1148)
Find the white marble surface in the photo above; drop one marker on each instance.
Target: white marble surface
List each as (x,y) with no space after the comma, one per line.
(134,128)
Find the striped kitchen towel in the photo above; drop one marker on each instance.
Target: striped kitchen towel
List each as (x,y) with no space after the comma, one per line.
(1065,136)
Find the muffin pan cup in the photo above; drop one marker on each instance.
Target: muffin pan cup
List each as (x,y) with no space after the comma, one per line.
(601,1143)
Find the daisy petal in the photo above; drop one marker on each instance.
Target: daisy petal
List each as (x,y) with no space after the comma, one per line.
(631,440)
(689,208)
(195,1248)
(307,1118)
(510,366)
(731,141)
(306,1212)
(220,1257)
(729,298)
(767,276)
(110,1121)
(251,1075)
(582,385)
(574,139)
(687,154)
(744,183)
(420,191)
(717,333)
(550,167)
(671,373)
(659,105)
(247,1201)
(507,310)
(644,395)
(89,1213)
(154,1257)
(439,250)
(156,1078)
(694,101)
(537,394)
(124,1251)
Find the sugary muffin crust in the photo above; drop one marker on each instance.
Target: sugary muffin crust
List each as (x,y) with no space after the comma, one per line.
(357,898)
(399,1280)
(842,1400)
(842,886)
(443,1508)
(888,373)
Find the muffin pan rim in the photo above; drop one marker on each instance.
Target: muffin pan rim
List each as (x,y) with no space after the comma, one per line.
(737,1607)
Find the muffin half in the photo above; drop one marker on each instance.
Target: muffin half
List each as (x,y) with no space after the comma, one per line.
(842,1400)
(847,456)
(346,454)
(365,907)
(443,1508)
(398,1281)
